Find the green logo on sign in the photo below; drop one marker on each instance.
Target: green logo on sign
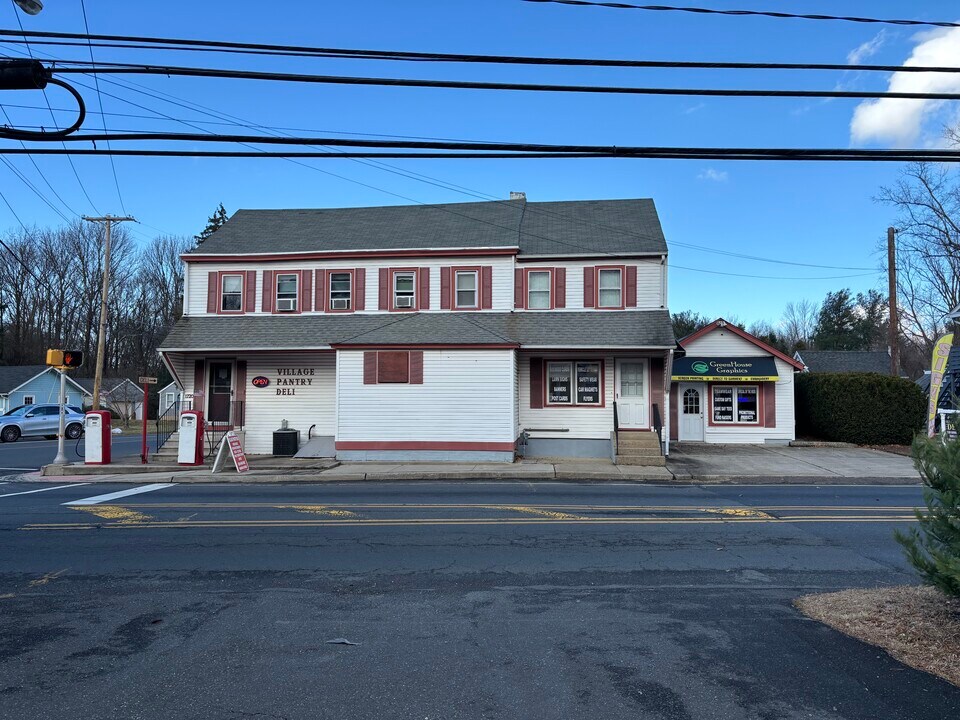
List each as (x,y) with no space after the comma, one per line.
(700,367)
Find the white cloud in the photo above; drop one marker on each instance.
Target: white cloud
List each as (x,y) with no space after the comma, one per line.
(901,122)
(714,175)
(867,49)
(693,108)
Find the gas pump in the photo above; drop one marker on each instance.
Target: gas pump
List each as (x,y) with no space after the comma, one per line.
(190,445)
(98,438)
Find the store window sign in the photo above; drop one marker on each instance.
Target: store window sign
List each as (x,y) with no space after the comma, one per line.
(260,381)
(726,369)
(588,383)
(559,390)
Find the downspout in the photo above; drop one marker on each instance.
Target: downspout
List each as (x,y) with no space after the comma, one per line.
(667,382)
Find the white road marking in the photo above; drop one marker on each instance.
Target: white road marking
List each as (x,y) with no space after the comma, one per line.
(96,499)
(57,487)
(23,469)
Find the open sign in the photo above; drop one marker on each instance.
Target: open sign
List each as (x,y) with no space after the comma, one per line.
(260,381)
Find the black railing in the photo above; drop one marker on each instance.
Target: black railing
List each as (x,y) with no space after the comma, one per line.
(658,424)
(616,429)
(233,418)
(168,420)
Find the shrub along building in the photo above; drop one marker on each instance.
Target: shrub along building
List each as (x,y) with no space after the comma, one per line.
(440,332)
(731,387)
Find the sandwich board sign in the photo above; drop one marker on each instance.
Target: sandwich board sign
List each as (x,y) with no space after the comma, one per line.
(231,444)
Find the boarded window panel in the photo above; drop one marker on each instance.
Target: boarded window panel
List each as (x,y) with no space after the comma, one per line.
(770,404)
(370,367)
(416,367)
(536,382)
(393,366)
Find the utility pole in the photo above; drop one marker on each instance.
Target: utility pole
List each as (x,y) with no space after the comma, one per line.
(108,221)
(894,322)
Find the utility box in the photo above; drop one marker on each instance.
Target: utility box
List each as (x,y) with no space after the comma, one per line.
(286,442)
(97,437)
(190,445)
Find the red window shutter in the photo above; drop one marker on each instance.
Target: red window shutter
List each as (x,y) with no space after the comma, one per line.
(250,291)
(360,289)
(589,274)
(240,394)
(198,388)
(518,289)
(267,291)
(444,288)
(424,279)
(631,286)
(393,366)
(560,287)
(416,367)
(486,287)
(320,299)
(213,292)
(370,367)
(536,382)
(384,288)
(306,290)
(769,404)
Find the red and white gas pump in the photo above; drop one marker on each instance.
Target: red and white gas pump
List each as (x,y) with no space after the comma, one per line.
(97,438)
(190,445)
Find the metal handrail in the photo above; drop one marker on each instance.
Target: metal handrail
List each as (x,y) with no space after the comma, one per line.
(616,429)
(658,423)
(167,422)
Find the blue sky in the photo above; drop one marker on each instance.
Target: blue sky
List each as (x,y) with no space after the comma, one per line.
(808,213)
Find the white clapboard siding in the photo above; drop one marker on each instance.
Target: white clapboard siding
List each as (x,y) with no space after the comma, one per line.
(723,342)
(579,422)
(466,396)
(650,280)
(502,277)
(312,404)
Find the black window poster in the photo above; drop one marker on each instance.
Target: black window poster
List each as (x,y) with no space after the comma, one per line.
(588,383)
(723,404)
(559,389)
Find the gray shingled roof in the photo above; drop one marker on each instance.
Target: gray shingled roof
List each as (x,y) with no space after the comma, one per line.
(13,376)
(107,384)
(837,361)
(537,228)
(643,328)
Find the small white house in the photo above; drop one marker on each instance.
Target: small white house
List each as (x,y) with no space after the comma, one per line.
(29,384)
(168,396)
(731,387)
(121,396)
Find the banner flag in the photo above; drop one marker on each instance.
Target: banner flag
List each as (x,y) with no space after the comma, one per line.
(941,353)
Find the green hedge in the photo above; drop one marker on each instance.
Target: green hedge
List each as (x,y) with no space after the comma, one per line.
(862,408)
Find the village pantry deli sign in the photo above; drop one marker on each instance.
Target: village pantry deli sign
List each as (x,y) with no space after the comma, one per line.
(288,380)
(725,369)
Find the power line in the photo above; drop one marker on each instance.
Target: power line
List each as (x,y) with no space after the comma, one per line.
(125,69)
(96,82)
(773,277)
(742,13)
(158,43)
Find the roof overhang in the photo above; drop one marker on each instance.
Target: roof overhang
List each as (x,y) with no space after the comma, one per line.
(527,257)
(347,254)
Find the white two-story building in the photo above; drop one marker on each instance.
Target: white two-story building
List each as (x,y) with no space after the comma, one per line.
(469,331)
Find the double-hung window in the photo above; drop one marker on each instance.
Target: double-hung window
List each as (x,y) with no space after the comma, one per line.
(231,293)
(610,288)
(574,382)
(405,290)
(736,404)
(287,291)
(538,290)
(341,291)
(467,293)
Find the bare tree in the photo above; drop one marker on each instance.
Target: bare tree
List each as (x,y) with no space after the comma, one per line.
(798,324)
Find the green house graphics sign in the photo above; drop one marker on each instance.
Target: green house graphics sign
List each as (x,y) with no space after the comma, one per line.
(726,369)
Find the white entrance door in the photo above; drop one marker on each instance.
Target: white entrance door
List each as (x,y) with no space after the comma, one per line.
(691,399)
(631,393)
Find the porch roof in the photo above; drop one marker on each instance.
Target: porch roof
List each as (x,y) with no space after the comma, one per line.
(594,329)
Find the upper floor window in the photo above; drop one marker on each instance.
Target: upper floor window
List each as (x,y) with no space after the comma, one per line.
(405,290)
(341,290)
(610,288)
(467,292)
(231,293)
(287,291)
(538,290)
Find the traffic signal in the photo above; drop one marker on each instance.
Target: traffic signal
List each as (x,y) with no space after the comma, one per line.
(64,358)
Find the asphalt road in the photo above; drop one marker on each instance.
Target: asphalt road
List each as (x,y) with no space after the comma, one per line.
(28,454)
(465,601)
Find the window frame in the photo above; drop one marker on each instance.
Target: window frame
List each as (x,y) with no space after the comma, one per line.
(476,272)
(574,363)
(276,292)
(243,292)
(551,289)
(415,272)
(32,400)
(328,289)
(622,269)
(736,422)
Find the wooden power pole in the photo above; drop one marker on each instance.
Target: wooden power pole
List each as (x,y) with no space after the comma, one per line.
(892,301)
(108,221)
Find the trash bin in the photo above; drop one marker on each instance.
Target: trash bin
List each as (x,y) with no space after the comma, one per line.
(286,442)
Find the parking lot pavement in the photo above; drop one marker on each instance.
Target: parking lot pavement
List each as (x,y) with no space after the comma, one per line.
(781,461)
(28,454)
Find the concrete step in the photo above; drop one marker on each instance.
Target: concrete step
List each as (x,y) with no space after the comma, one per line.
(646,460)
(638,439)
(638,451)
